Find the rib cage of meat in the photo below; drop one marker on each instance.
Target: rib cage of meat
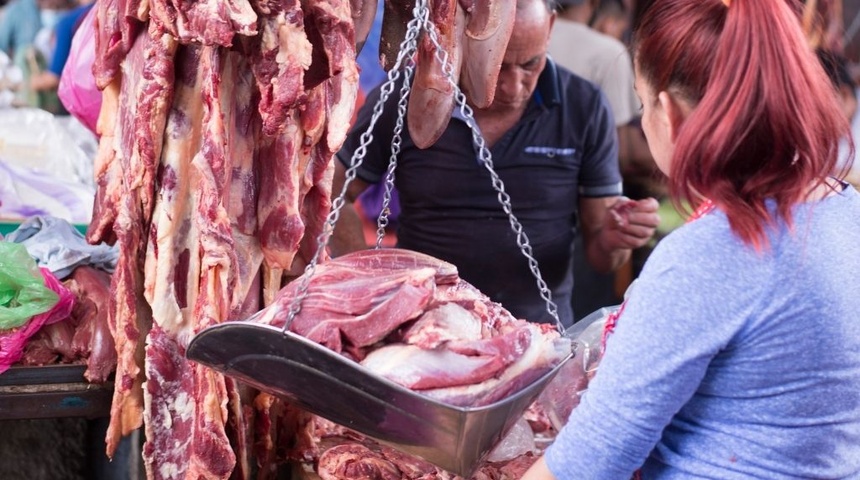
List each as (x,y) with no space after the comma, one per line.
(218,128)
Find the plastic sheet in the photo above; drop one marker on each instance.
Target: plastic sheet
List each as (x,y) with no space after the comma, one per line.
(520,440)
(23,293)
(60,247)
(12,341)
(38,140)
(26,192)
(564,392)
(46,166)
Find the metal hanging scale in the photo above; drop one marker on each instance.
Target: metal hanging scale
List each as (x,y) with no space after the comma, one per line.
(280,362)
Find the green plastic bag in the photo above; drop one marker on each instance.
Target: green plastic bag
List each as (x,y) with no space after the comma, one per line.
(23,293)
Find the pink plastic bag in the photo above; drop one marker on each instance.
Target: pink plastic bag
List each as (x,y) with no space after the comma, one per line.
(77,89)
(12,341)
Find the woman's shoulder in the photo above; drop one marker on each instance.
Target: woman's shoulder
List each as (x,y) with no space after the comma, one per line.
(703,252)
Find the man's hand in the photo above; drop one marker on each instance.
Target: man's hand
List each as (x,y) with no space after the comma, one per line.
(630,223)
(611,227)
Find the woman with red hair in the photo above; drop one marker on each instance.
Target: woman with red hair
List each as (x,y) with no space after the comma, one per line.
(737,353)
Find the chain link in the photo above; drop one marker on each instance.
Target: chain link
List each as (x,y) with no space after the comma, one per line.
(396,142)
(486,159)
(420,22)
(407,48)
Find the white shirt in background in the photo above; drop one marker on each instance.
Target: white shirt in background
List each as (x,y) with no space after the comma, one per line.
(600,59)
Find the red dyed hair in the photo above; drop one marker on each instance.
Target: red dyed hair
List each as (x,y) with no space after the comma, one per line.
(766,123)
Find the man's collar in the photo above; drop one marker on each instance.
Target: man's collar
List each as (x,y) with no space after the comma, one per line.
(548,91)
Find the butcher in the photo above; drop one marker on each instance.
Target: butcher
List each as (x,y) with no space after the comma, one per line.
(553,144)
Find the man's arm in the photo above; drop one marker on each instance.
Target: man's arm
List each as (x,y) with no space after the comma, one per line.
(348,234)
(44,81)
(612,226)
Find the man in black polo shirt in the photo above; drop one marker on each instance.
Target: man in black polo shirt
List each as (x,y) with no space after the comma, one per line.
(552,137)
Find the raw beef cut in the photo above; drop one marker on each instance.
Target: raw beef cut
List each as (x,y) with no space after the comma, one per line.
(341,454)
(206,22)
(107,170)
(52,343)
(241,130)
(363,14)
(483,55)
(155,94)
(92,339)
(381,307)
(281,54)
(177,391)
(83,337)
(116,30)
(431,101)
(396,14)
(129,314)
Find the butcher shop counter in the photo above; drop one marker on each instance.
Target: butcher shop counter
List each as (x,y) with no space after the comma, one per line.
(52,391)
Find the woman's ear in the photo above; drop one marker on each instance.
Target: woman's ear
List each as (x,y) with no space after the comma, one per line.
(674,112)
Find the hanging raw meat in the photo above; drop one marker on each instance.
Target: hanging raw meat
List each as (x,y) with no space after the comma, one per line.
(395,16)
(93,339)
(363,14)
(484,50)
(218,128)
(281,54)
(431,101)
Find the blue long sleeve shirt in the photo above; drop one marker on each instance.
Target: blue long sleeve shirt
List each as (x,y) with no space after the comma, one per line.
(730,363)
(65,32)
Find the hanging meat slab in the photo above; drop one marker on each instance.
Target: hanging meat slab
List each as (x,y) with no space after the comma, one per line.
(218,129)
(395,17)
(483,55)
(431,101)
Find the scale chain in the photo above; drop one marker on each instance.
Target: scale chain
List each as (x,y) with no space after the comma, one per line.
(407,48)
(486,159)
(396,141)
(420,22)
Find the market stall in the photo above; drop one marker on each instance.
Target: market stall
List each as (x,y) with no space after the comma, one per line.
(203,320)
(49,396)
(213,185)
(57,356)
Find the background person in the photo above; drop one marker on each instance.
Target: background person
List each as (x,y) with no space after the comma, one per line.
(18,28)
(552,137)
(48,80)
(605,61)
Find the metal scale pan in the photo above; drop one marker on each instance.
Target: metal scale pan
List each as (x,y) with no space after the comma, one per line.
(323,382)
(327,384)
